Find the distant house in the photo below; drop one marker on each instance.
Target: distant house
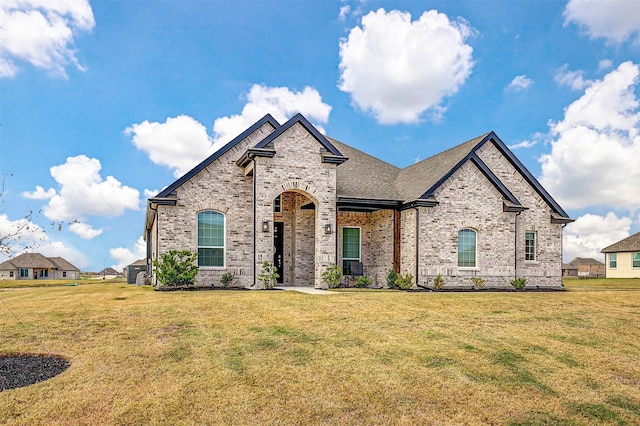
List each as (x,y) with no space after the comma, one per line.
(34,266)
(583,267)
(109,271)
(622,259)
(131,271)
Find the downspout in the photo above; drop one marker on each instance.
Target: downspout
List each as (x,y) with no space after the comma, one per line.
(417,243)
(255,165)
(157,220)
(515,246)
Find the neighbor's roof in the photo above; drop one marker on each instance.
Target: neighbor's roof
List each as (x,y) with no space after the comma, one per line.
(631,243)
(36,260)
(584,261)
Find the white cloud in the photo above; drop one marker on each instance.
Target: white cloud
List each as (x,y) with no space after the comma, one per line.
(280,102)
(126,257)
(40,193)
(82,191)
(42,33)
(84,231)
(344,11)
(397,69)
(595,152)
(591,233)
(605,64)
(614,20)
(520,82)
(573,79)
(33,238)
(182,142)
(524,144)
(150,193)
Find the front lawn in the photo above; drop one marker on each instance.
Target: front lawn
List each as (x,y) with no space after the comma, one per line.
(278,357)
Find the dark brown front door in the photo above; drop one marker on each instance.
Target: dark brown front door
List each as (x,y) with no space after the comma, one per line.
(278,242)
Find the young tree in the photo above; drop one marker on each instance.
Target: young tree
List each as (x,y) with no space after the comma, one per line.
(177,268)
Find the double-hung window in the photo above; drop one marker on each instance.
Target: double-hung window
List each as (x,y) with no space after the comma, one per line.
(467,243)
(211,239)
(529,245)
(24,273)
(350,248)
(635,262)
(613,260)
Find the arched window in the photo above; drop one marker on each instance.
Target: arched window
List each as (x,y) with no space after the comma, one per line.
(467,239)
(211,239)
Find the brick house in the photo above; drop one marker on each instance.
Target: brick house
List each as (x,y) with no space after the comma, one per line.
(622,259)
(33,266)
(583,267)
(287,194)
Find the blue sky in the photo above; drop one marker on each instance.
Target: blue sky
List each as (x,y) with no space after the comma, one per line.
(103,103)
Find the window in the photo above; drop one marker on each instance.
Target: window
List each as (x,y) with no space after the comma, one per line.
(350,248)
(10,274)
(529,245)
(613,260)
(467,248)
(636,260)
(64,274)
(210,239)
(277,204)
(44,273)
(24,273)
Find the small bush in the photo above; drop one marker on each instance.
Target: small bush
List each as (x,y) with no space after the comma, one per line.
(478,283)
(438,282)
(268,275)
(177,268)
(404,282)
(362,282)
(332,275)
(392,278)
(519,283)
(226,279)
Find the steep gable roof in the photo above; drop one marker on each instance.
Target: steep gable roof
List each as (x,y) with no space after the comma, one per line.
(631,243)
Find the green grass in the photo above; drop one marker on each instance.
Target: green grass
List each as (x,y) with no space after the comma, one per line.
(144,357)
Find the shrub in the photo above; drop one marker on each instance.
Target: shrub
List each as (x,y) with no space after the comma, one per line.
(177,268)
(519,283)
(404,282)
(438,282)
(363,281)
(268,275)
(226,279)
(332,275)
(478,283)
(392,277)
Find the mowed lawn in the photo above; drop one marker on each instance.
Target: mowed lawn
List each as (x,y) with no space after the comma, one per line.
(143,357)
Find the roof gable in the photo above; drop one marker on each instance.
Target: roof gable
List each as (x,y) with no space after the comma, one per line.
(631,243)
(37,260)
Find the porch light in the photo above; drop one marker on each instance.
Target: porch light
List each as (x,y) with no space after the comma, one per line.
(265,226)
(327,228)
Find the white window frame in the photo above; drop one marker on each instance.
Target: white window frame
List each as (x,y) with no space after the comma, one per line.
(633,255)
(278,205)
(359,259)
(535,246)
(475,260)
(613,258)
(224,240)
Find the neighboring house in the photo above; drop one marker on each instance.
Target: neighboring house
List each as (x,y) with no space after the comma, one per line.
(109,271)
(583,267)
(131,271)
(34,266)
(622,259)
(286,194)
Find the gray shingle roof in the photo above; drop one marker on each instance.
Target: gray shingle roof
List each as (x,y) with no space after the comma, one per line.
(62,264)
(631,243)
(36,260)
(584,261)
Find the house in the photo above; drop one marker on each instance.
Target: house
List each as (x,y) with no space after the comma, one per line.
(622,259)
(34,266)
(109,271)
(583,267)
(287,194)
(131,271)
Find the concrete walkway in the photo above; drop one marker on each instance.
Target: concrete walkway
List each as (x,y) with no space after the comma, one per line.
(307,290)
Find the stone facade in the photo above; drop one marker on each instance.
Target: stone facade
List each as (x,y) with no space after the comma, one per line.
(298,165)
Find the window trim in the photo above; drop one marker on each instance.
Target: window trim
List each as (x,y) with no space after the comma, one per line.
(634,260)
(224,241)
(359,259)
(24,273)
(475,260)
(535,246)
(613,260)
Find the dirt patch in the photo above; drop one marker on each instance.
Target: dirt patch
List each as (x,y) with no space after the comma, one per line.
(19,370)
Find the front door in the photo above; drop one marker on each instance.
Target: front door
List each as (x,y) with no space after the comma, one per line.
(278,242)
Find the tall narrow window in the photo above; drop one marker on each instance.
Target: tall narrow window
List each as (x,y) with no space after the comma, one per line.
(211,239)
(613,260)
(277,204)
(636,260)
(350,248)
(529,245)
(467,248)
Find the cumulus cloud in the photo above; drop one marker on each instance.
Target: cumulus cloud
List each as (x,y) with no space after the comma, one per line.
(82,191)
(124,256)
(397,69)
(41,32)
(84,230)
(344,11)
(182,142)
(150,193)
(574,79)
(40,193)
(520,82)
(614,20)
(32,237)
(595,149)
(591,233)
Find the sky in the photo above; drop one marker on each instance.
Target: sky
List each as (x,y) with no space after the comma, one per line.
(105,103)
